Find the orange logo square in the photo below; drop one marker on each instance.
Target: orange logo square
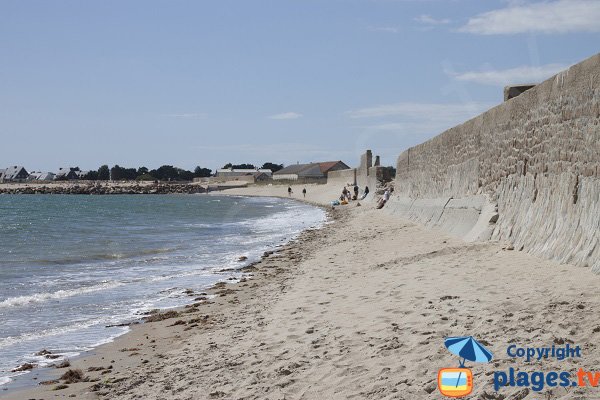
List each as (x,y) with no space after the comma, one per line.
(455,382)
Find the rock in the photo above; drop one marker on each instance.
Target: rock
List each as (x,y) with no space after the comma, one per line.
(242,258)
(430,388)
(494,218)
(520,395)
(63,364)
(72,376)
(510,247)
(24,367)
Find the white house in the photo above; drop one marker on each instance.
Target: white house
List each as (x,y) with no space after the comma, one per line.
(316,170)
(230,172)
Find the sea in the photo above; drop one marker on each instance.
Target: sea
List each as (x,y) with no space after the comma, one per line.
(74,267)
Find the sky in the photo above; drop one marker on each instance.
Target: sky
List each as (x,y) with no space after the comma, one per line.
(207,82)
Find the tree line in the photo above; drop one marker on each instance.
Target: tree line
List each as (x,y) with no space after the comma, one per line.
(163,173)
(268,165)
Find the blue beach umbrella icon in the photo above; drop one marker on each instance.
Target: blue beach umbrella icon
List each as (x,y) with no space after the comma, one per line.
(467,348)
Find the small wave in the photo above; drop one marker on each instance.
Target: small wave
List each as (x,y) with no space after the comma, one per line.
(12,340)
(84,258)
(199,225)
(60,294)
(42,361)
(203,271)
(10,377)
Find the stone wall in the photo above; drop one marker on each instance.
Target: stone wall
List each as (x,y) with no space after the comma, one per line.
(535,158)
(341,177)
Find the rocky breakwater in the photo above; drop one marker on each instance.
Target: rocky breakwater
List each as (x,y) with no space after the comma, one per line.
(102,189)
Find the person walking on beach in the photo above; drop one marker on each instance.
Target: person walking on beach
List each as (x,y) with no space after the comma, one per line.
(304,192)
(355,192)
(289,191)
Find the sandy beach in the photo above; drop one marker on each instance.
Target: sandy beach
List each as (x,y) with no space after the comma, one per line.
(308,200)
(356,310)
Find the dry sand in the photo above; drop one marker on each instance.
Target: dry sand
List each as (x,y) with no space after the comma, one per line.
(315,193)
(356,310)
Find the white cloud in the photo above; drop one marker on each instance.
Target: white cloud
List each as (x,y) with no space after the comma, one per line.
(429,20)
(286,115)
(422,111)
(560,16)
(187,115)
(522,74)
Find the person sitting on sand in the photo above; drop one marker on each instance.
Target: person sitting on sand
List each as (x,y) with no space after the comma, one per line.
(289,190)
(384,199)
(365,193)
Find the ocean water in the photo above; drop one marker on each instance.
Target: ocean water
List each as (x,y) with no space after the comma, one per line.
(71,265)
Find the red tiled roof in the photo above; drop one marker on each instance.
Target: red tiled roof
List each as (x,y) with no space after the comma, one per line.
(326,166)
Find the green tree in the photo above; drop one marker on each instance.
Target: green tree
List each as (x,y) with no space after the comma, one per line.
(184,175)
(165,173)
(145,177)
(103,173)
(273,167)
(239,166)
(243,166)
(202,172)
(142,171)
(91,176)
(118,173)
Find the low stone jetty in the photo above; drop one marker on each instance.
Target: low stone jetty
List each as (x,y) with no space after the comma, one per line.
(102,189)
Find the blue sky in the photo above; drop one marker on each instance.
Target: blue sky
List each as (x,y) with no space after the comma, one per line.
(84,83)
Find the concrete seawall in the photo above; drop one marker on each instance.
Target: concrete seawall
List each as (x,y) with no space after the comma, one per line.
(534,160)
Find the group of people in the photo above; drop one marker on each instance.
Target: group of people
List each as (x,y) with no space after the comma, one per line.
(347,195)
(350,195)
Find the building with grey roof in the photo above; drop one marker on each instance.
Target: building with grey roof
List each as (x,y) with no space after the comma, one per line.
(64,174)
(15,173)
